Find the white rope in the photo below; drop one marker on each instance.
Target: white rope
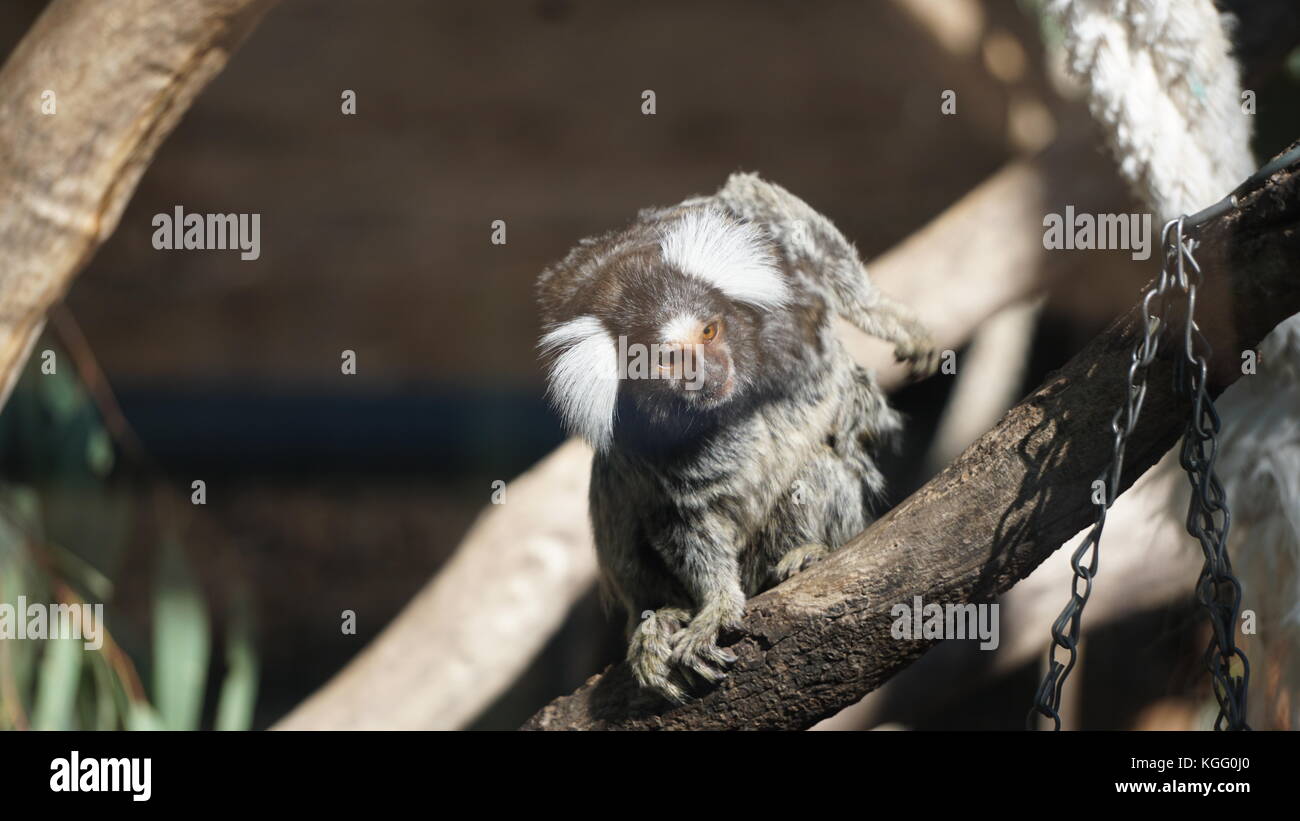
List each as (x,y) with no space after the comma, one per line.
(1161,79)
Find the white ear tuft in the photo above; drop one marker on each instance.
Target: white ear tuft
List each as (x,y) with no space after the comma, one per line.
(732,256)
(584,378)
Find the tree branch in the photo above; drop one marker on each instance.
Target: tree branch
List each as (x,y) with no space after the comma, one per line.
(85,101)
(822,640)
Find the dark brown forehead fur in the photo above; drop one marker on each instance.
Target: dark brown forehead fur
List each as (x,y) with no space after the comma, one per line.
(621,278)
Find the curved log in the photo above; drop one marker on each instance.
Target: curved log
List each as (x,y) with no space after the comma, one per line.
(85,100)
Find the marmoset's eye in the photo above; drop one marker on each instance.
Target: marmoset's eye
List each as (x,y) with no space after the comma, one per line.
(710,331)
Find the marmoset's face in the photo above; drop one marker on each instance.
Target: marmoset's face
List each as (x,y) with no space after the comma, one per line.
(682,314)
(694,358)
(697,344)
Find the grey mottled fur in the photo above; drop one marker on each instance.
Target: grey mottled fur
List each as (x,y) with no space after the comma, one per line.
(740,497)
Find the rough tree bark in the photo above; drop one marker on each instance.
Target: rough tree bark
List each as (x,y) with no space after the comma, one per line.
(1147,562)
(119,76)
(822,640)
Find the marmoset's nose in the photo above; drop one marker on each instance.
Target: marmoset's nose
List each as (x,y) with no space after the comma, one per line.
(677,359)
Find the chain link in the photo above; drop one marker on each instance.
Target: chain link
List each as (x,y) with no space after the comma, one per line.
(1208,518)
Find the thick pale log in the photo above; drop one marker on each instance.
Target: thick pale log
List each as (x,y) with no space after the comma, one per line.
(821,641)
(985,252)
(991,378)
(480,620)
(117,76)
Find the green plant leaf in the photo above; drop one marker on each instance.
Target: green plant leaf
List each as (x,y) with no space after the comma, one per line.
(239,688)
(140,716)
(56,685)
(181,641)
(105,693)
(81,572)
(99,452)
(17,658)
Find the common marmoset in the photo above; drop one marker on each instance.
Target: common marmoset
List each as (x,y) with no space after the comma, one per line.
(735,438)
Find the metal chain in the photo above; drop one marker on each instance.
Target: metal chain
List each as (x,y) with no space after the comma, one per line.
(1208,518)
